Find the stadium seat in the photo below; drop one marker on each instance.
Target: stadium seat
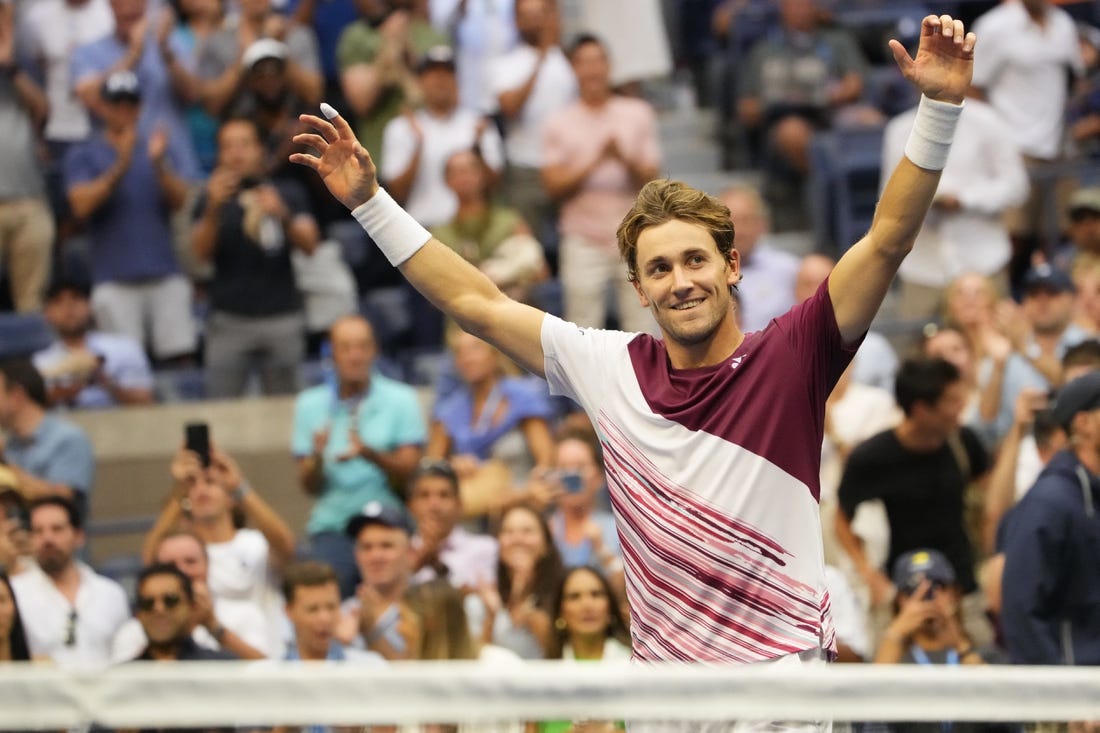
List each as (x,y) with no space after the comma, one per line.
(845,166)
(22,334)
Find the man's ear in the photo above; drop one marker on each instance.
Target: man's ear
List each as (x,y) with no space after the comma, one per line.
(642,297)
(734,262)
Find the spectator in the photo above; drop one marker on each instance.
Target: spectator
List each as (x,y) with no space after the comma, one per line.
(588,625)
(514,612)
(49,456)
(15,541)
(313,607)
(1085,274)
(445,632)
(374,56)
(246,224)
(496,238)
(127,182)
(1084,222)
(26,223)
(443,547)
(223,63)
(355,441)
(476,422)
(597,154)
(85,368)
(1050,611)
(13,641)
(242,560)
(1029,49)
(166,607)
(376,617)
(482,30)
(135,45)
(198,21)
(982,401)
(1047,329)
(70,613)
(416,146)
(920,470)
(237,626)
(531,82)
(985,175)
(767,272)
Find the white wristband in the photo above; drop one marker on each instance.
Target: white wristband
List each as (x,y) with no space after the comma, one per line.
(933,130)
(396,233)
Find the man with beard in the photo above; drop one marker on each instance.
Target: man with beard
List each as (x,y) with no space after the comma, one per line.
(86,368)
(69,612)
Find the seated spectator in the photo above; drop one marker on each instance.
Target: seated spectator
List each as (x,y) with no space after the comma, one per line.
(444,630)
(246,224)
(515,610)
(70,613)
(416,146)
(477,423)
(222,61)
(15,539)
(376,618)
(443,547)
(165,605)
(487,234)
(127,182)
(242,560)
(236,626)
(984,401)
(13,641)
(355,441)
(313,607)
(49,456)
(86,368)
(26,222)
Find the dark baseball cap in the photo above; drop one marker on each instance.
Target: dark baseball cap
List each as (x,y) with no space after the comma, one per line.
(1047,277)
(919,565)
(441,57)
(68,285)
(121,86)
(1080,395)
(375,512)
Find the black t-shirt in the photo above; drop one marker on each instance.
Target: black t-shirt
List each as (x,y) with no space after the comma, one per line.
(254,276)
(922,493)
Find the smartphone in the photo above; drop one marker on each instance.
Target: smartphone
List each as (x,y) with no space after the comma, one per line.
(571,481)
(197,438)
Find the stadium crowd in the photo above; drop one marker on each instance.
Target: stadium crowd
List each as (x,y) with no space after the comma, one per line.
(149,215)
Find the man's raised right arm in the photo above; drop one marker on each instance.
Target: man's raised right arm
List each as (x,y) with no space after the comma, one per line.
(453,285)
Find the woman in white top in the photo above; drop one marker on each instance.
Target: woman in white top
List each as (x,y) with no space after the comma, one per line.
(588,626)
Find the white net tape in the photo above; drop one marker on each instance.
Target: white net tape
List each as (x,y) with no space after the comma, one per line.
(269,693)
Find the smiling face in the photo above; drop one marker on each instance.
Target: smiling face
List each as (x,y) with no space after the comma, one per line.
(685,282)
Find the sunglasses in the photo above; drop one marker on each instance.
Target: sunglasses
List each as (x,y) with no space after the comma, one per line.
(149,603)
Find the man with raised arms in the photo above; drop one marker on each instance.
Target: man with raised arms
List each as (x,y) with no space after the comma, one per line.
(711,436)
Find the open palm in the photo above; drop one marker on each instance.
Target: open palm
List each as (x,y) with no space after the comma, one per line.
(343,164)
(945,59)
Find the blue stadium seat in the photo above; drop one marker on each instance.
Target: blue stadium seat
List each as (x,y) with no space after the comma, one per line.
(22,334)
(845,166)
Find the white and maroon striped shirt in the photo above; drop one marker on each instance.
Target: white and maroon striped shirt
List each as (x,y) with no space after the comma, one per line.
(713,475)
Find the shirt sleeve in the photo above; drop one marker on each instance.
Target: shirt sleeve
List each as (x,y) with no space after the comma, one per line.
(410,428)
(398,146)
(80,166)
(301,439)
(554,151)
(133,371)
(857,483)
(577,359)
(81,67)
(492,147)
(75,464)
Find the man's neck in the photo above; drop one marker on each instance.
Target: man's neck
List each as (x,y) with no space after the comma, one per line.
(67,580)
(1048,340)
(715,350)
(354,388)
(28,420)
(311,654)
(215,530)
(74,341)
(918,439)
(392,593)
(166,652)
(596,99)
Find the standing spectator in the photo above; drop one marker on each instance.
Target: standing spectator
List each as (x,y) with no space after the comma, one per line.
(443,547)
(377,617)
(71,613)
(531,82)
(86,368)
(246,225)
(198,21)
(767,272)
(13,640)
(356,440)
(1050,606)
(482,31)
(136,46)
(965,232)
(597,154)
(1029,52)
(26,223)
(242,560)
(313,608)
(375,54)
(223,65)
(166,609)
(416,146)
(48,455)
(127,181)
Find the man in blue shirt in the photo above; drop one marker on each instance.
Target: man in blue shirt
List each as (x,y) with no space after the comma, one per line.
(356,440)
(49,456)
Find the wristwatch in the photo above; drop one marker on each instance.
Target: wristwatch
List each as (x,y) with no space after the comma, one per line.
(238,494)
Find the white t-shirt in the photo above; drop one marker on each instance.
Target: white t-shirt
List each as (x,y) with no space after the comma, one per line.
(240,572)
(1024,69)
(54,30)
(70,634)
(431,202)
(554,89)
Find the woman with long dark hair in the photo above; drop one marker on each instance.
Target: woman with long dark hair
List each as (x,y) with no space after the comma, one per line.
(13,641)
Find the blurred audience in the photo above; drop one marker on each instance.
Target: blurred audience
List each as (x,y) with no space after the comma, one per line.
(165,606)
(312,597)
(13,641)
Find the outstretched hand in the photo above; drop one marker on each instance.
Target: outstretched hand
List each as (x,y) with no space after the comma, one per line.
(343,164)
(945,59)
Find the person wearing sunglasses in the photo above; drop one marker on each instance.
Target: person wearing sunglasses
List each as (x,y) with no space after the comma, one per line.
(165,606)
